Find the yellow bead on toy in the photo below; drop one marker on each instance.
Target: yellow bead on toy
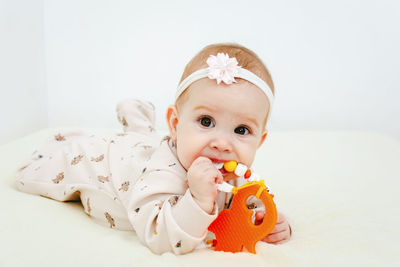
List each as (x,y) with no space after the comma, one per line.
(230,166)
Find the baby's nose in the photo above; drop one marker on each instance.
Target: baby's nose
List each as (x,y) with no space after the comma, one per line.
(221,144)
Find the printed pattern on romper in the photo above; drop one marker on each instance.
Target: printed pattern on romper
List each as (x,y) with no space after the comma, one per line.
(124,186)
(95,165)
(59,178)
(75,158)
(110,219)
(143,186)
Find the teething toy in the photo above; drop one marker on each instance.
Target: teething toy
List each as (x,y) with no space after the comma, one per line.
(240,170)
(230,166)
(233,228)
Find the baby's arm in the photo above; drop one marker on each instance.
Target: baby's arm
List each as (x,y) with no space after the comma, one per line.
(164,212)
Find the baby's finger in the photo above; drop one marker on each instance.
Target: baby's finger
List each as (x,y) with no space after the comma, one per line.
(212,173)
(219,179)
(279,227)
(281,218)
(277,237)
(201,160)
(260,215)
(278,242)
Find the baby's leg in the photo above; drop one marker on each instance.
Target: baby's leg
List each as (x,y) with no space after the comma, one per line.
(63,163)
(72,166)
(45,172)
(136,116)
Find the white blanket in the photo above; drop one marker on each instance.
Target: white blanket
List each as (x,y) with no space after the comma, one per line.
(340,191)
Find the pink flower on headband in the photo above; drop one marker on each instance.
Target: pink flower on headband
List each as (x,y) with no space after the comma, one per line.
(223,68)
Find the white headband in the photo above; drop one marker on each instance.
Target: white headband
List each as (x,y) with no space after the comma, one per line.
(223,68)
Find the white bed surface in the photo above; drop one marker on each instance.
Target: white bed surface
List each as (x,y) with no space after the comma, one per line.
(339,189)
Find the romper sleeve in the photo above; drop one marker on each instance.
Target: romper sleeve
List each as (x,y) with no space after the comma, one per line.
(162,211)
(136,115)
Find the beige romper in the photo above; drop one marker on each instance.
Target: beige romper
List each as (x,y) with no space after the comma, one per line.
(128,181)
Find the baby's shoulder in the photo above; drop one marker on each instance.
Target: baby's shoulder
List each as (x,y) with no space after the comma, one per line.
(164,158)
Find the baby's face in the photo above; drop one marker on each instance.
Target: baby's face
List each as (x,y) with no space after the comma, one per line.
(220,122)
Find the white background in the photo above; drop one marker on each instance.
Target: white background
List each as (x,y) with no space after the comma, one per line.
(335,64)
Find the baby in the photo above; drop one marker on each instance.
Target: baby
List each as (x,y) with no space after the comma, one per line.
(166,189)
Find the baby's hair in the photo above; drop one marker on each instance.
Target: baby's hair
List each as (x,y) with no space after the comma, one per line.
(246,58)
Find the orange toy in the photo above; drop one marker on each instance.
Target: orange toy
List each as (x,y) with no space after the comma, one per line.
(234,229)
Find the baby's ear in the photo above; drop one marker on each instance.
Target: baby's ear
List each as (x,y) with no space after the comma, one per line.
(263,137)
(172,120)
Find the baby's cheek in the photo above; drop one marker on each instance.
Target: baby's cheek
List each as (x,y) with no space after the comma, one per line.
(186,158)
(181,158)
(246,161)
(247,158)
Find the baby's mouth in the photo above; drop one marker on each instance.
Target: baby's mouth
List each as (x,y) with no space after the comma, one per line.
(220,167)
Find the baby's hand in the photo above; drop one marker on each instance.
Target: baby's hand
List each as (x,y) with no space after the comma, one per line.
(202,178)
(280,234)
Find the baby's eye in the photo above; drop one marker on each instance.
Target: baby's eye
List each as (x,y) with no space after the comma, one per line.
(206,122)
(242,130)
